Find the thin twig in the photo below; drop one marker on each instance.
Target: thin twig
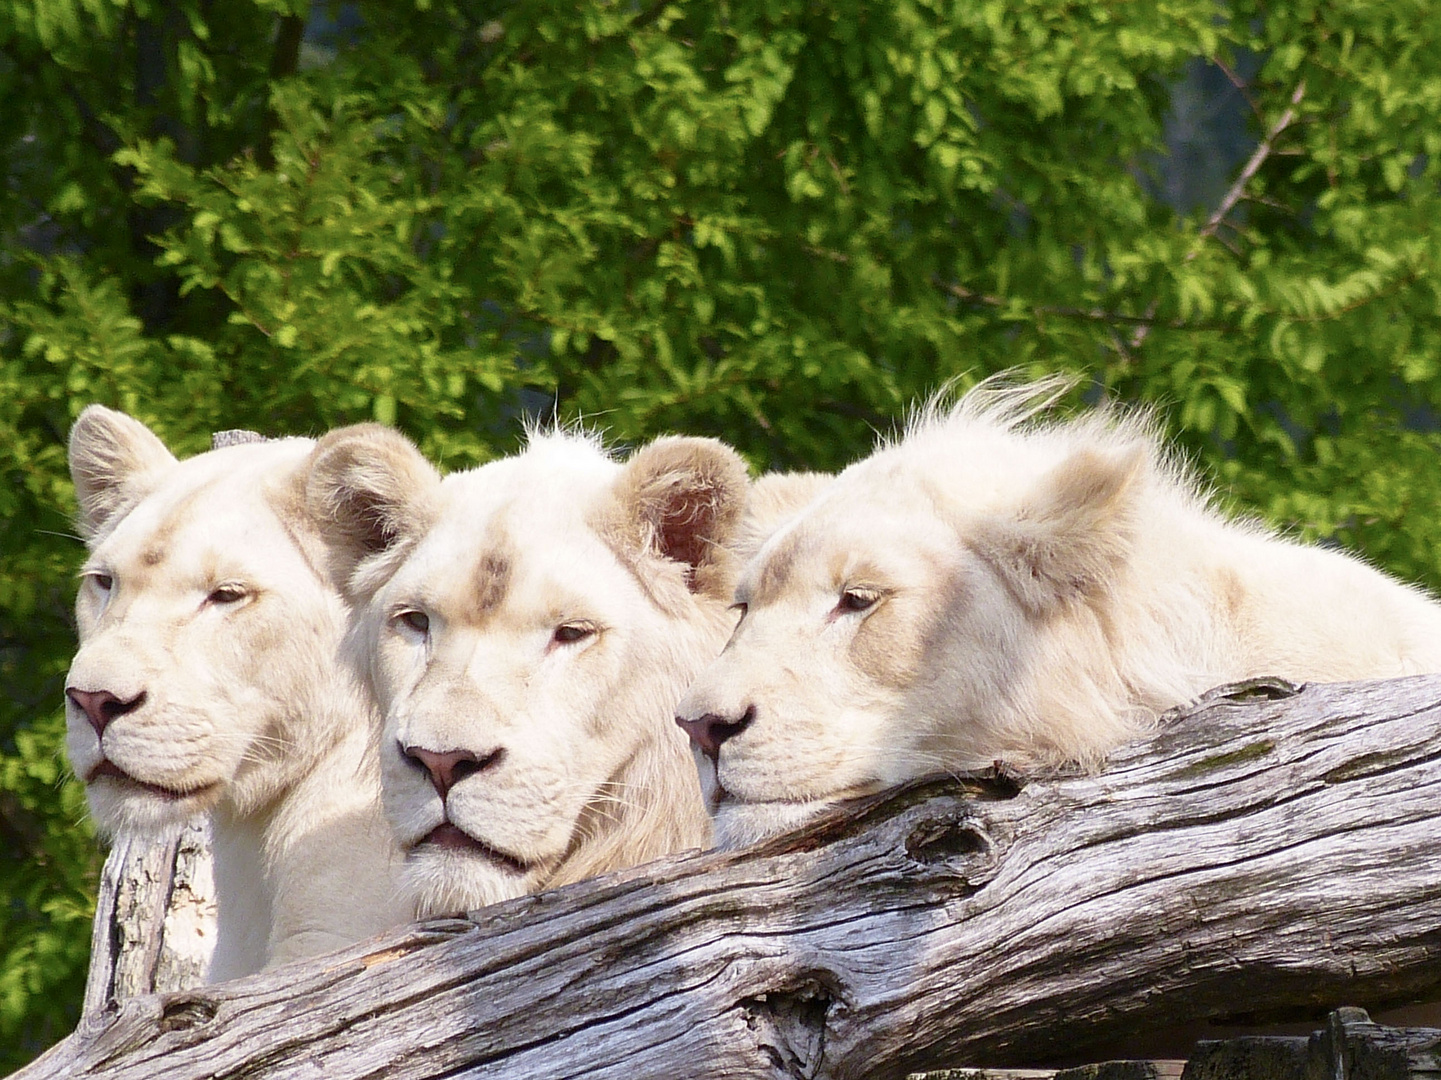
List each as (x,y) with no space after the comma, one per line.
(1237,191)
(1088,314)
(1239,83)
(1253,166)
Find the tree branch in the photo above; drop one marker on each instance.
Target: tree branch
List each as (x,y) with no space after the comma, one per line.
(1249,170)
(1100,315)
(1233,195)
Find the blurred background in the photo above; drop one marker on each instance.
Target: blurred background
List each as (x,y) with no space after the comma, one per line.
(777,222)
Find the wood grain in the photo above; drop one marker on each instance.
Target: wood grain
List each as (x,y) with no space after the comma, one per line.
(155,922)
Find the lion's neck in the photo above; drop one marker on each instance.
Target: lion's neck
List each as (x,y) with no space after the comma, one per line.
(316,868)
(1208,602)
(244,896)
(652,806)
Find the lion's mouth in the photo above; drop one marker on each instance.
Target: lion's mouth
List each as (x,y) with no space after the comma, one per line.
(451,837)
(112,771)
(718,796)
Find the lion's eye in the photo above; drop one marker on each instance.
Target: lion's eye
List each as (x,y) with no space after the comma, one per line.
(571,632)
(227,594)
(103,581)
(853,600)
(418,621)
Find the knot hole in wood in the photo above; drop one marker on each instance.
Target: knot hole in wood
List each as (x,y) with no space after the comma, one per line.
(945,839)
(789,1024)
(183,1012)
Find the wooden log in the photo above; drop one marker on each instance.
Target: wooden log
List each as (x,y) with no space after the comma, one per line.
(154,925)
(1267,852)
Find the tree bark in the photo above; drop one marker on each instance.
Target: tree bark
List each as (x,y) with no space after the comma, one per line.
(1267,854)
(154,919)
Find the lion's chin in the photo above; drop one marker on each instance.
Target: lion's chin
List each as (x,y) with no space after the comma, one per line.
(449,873)
(124,805)
(740,824)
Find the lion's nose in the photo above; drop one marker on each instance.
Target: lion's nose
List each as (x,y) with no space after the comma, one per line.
(101,706)
(449,767)
(712,729)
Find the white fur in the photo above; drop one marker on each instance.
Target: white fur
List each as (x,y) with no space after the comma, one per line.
(1043,591)
(590,773)
(247,715)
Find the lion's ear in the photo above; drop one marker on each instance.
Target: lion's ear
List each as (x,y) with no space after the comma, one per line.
(115,461)
(371,493)
(682,499)
(1071,535)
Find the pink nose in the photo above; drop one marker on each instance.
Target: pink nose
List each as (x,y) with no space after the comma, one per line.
(709,731)
(449,767)
(101,706)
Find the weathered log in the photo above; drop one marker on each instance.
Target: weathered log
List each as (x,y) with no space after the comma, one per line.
(154,919)
(1265,854)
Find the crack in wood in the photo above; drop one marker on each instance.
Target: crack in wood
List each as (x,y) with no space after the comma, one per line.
(1244,692)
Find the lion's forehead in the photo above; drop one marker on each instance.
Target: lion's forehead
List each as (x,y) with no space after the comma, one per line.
(500,551)
(554,484)
(219,517)
(861,532)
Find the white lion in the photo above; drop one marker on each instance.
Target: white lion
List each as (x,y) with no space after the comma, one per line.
(528,627)
(996,586)
(208,681)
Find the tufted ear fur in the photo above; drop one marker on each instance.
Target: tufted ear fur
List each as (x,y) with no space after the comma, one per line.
(1071,535)
(683,498)
(371,493)
(115,461)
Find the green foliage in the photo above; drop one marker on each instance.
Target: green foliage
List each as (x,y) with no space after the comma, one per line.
(770,221)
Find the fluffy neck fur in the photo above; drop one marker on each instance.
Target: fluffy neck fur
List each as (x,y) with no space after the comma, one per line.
(313,869)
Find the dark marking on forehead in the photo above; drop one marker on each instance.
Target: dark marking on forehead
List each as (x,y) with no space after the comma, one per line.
(157,546)
(490,581)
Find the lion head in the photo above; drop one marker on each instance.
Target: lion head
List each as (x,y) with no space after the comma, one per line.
(527,628)
(924,612)
(208,681)
(204,616)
